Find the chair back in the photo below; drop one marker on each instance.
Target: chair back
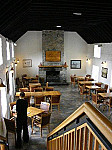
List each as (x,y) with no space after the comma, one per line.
(3,143)
(11,108)
(33,81)
(46,118)
(32,87)
(72,78)
(10,125)
(28,100)
(88,75)
(94,98)
(49,88)
(23,89)
(81,89)
(98,84)
(106,87)
(90,79)
(55,99)
(39,89)
(110,90)
(38,99)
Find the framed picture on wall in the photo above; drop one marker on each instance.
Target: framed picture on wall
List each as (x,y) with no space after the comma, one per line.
(27,63)
(104,72)
(75,64)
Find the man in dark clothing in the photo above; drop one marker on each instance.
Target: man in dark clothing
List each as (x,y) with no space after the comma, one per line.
(21,108)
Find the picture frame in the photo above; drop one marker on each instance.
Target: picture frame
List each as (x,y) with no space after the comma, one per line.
(104,72)
(75,64)
(27,63)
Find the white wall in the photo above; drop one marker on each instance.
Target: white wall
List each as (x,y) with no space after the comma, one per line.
(7,97)
(75,48)
(29,46)
(106,55)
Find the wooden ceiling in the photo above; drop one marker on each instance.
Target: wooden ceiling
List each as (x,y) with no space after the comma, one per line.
(94,24)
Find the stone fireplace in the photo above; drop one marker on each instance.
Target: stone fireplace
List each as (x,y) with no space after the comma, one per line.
(53,69)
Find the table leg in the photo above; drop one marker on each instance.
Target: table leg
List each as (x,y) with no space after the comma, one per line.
(32,123)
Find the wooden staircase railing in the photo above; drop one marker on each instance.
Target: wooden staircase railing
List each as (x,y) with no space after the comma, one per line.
(85,129)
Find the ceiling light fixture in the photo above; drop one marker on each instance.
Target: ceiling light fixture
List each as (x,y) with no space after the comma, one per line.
(78,14)
(58,26)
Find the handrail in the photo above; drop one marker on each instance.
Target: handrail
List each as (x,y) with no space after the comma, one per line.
(101,122)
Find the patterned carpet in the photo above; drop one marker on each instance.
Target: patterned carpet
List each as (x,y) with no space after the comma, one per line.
(70,101)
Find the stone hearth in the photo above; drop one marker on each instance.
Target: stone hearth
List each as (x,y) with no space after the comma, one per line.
(52,67)
(53,75)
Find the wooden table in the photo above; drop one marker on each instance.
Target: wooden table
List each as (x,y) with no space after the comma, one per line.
(33,84)
(105,95)
(79,77)
(92,87)
(45,93)
(87,82)
(33,111)
(29,78)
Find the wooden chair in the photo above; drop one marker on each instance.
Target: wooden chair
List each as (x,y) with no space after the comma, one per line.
(72,79)
(78,80)
(10,127)
(32,87)
(55,100)
(33,81)
(103,89)
(24,82)
(109,103)
(110,90)
(38,99)
(37,77)
(49,88)
(42,121)
(39,89)
(96,100)
(12,113)
(89,79)
(23,89)
(88,75)
(83,92)
(98,84)
(3,143)
(28,100)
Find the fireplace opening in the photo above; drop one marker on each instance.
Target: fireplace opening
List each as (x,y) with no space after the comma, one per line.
(52,76)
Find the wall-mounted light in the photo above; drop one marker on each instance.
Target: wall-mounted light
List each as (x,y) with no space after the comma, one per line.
(17,60)
(12,69)
(103,62)
(1,84)
(15,63)
(87,59)
(15,44)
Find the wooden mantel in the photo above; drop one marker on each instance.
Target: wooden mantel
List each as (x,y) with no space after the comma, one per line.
(59,66)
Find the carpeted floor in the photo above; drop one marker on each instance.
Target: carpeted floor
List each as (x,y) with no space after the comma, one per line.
(70,101)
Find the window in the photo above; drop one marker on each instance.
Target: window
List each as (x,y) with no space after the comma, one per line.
(97,51)
(95,72)
(1,57)
(12,49)
(8,50)
(3,101)
(111,80)
(10,83)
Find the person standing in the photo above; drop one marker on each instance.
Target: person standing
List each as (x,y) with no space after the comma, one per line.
(21,109)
